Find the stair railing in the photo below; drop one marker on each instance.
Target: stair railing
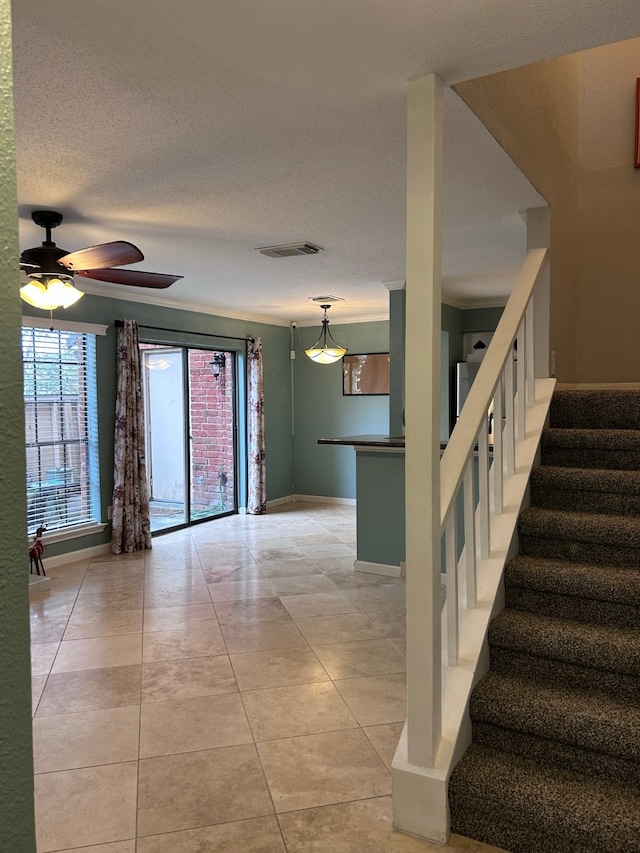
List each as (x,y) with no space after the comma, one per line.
(500,398)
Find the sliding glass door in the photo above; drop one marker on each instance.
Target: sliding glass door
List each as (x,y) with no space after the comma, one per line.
(190,418)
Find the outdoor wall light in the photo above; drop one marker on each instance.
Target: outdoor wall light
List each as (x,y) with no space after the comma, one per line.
(217,362)
(325,350)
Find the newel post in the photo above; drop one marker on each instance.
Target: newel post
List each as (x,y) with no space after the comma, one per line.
(421,738)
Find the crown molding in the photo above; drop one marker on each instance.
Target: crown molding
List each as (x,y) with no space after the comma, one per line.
(470,304)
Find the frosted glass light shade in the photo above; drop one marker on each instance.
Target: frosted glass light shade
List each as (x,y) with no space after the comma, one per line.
(325,350)
(50,293)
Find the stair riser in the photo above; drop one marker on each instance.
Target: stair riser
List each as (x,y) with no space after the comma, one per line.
(579,552)
(611,460)
(548,671)
(572,607)
(560,755)
(614,409)
(608,503)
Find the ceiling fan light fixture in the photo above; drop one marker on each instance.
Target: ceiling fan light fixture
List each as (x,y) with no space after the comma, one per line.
(50,292)
(325,350)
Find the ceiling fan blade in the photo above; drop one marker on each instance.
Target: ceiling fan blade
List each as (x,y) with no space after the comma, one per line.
(134,278)
(104,255)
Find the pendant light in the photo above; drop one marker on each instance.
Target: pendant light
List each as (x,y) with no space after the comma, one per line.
(325,351)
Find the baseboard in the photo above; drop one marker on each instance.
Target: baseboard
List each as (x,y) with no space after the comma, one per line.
(379,569)
(321,499)
(58,560)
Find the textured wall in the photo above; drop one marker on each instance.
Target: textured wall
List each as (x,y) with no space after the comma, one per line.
(533,112)
(16,767)
(609,301)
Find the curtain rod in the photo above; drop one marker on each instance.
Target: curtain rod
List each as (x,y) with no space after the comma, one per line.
(120,323)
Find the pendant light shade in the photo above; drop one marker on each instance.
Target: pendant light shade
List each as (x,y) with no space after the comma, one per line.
(325,350)
(49,292)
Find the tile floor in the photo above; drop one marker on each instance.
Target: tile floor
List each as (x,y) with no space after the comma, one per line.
(236,688)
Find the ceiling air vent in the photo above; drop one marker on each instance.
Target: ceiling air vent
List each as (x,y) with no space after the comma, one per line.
(290,250)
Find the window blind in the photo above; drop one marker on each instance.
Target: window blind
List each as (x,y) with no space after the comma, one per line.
(60,427)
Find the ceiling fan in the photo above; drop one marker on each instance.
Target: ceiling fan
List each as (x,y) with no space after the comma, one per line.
(51,269)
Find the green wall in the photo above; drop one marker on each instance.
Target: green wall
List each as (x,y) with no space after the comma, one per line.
(275,347)
(322,412)
(17,832)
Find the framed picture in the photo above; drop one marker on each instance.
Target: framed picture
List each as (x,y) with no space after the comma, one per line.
(636,159)
(365,374)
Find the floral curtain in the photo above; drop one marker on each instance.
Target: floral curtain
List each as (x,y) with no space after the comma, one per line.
(257,493)
(131,528)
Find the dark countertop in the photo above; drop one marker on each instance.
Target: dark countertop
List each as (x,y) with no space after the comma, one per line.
(392,441)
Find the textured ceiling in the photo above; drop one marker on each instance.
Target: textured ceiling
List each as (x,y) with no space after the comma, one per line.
(200,131)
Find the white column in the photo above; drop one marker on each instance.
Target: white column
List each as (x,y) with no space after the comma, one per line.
(424,242)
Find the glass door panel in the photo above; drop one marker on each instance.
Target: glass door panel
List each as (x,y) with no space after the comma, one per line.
(165,421)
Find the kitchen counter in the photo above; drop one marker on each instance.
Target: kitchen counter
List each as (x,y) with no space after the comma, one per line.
(366,440)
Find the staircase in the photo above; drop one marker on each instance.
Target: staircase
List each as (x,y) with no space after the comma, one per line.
(554,764)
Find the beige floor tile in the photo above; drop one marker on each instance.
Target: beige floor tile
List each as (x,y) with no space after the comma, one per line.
(289,568)
(99,601)
(280,550)
(184,679)
(260,636)
(376,699)
(189,725)
(251,610)
(323,552)
(363,657)
(385,740)
(114,582)
(171,596)
(90,689)
(235,590)
(335,565)
(107,624)
(257,835)
(277,668)
(370,597)
(459,844)
(301,585)
(400,643)
(343,828)
(221,574)
(124,559)
(49,605)
(197,789)
(48,629)
(37,686)
(317,604)
(42,657)
(94,805)
(391,622)
(198,639)
(319,769)
(115,847)
(212,557)
(86,739)
(303,709)
(97,652)
(176,618)
(341,628)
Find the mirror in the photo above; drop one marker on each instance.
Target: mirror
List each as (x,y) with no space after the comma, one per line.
(367,373)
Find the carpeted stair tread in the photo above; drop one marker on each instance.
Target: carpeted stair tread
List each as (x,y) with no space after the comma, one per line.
(591,448)
(587,610)
(573,717)
(598,582)
(552,671)
(618,530)
(544,750)
(595,409)
(595,813)
(586,489)
(606,648)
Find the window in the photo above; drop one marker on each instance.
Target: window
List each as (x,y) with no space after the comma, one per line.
(60,427)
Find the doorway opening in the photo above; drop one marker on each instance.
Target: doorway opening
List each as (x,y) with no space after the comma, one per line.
(190,423)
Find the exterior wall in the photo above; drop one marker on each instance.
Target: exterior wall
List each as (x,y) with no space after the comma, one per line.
(17,832)
(533,112)
(212,476)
